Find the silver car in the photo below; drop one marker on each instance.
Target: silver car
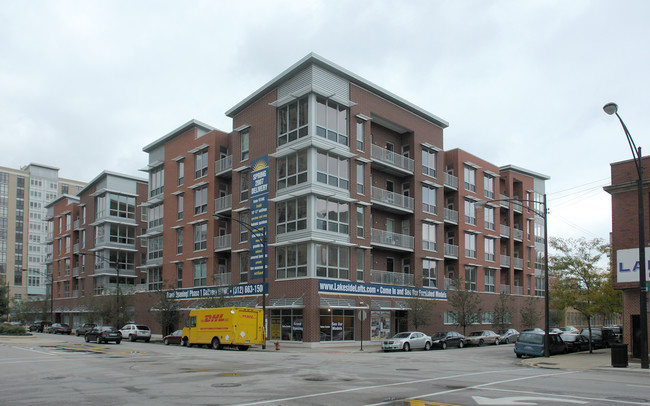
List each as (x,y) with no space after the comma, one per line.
(482,337)
(407,341)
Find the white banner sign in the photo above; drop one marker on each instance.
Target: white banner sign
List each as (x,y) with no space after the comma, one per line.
(627,265)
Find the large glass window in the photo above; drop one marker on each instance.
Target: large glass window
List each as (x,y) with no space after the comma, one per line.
(122,234)
(286,324)
(489,249)
(360,178)
(200,236)
(291,261)
(244,218)
(179,241)
(121,206)
(429,236)
(489,217)
(244,266)
(244,181)
(429,203)
(429,159)
(336,325)
(179,206)
(429,273)
(201,164)
(201,200)
(155,247)
(332,215)
(181,172)
(179,274)
(360,140)
(360,264)
(470,179)
(244,139)
(156,181)
(200,272)
(489,280)
(292,215)
(155,216)
(470,212)
(470,245)
(332,261)
(331,120)
(292,170)
(155,279)
(488,185)
(360,221)
(333,170)
(470,277)
(293,121)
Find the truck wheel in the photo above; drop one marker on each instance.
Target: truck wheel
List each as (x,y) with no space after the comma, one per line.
(184,342)
(242,347)
(216,344)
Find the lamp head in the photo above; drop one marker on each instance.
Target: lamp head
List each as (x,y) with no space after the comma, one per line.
(610,108)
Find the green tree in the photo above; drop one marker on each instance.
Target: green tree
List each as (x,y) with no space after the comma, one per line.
(529,313)
(420,311)
(503,312)
(581,280)
(466,304)
(4,298)
(166,312)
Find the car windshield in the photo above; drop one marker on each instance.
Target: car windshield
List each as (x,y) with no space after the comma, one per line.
(402,335)
(531,338)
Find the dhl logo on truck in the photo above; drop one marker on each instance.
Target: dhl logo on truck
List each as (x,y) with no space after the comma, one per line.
(211,318)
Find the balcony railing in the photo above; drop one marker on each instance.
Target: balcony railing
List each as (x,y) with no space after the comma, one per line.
(519,290)
(389,157)
(504,231)
(223,165)
(391,278)
(518,234)
(392,239)
(505,289)
(223,203)
(222,242)
(517,206)
(504,201)
(519,263)
(451,250)
(392,199)
(505,261)
(451,180)
(451,215)
(222,279)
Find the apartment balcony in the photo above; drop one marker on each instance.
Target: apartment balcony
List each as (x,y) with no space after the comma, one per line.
(505,289)
(504,201)
(517,206)
(387,239)
(75,271)
(390,161)
(504,231)
(49,237)
(519,263)
(518,234)
(391,278)
(391,201)
(451,216)
(519,290)
(75,248)
(104,269)
(222,204)
(505,261)
(222,243)
(223,167)
(451,181)
(75,225)
(223,279)
(451,251)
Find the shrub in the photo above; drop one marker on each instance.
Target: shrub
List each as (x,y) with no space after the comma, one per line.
(8,330)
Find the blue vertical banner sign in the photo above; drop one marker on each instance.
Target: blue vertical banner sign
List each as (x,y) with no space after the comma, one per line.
(259,215)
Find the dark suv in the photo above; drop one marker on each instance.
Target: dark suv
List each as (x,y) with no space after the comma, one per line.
(39,326)
(600,337)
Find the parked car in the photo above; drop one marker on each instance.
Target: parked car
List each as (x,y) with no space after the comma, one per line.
(482,337)
(407,341)
(59,328)
(81,331)
(173,338)
(570,329)
(555,330)
(575,342)
(136,332)
(509,336)
(618,332)
(600,337)
(532,343)
(103,334)
(446,339)
(535,329)
(39,326)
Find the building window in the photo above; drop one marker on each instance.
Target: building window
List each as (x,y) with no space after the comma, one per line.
(201,200)
(179,274)
(244,179)
(156,181)
(539,286)
(429,162)
(360,264)
(331,120)
(288,324)
(489,217)
(430,273)
(360,178)
(181,172)
(122,234)
(118,206)
(470,245)
(291,261)
(336,325)
(293,121)
(470,213)
(360,221)
(292,215)
(470,179)
(179,241)
(489,249)
(450,317)
(429,236)
(244,138)
(332,216)
(200,272)
(488,186)
(332,261)
(489,280)
(244,267)
(200,236)
(155,279)
(470,277)
(292,170)
(333,170)
(487,318)
(360,140)
(429,204)
(244,218)
(179,206)
(155,249)
(155,216)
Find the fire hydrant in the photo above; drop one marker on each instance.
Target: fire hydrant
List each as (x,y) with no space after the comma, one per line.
(277,346)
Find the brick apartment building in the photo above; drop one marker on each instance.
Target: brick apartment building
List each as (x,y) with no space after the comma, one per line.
(625,243)
(362,207)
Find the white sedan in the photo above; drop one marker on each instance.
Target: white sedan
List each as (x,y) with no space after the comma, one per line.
(407,341)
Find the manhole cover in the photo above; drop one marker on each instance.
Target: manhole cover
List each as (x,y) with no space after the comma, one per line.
(225,385)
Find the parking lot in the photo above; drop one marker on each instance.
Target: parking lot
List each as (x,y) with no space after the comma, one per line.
(64,369)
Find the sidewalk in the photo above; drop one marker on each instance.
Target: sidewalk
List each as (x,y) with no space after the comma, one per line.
(599,359)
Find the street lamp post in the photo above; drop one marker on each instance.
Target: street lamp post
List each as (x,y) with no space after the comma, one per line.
(264,239)
(543,215)
(612,108)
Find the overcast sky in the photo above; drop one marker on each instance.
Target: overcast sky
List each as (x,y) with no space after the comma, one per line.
(84,85)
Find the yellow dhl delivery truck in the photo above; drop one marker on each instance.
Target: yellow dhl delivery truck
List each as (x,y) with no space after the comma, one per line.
(219,327)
